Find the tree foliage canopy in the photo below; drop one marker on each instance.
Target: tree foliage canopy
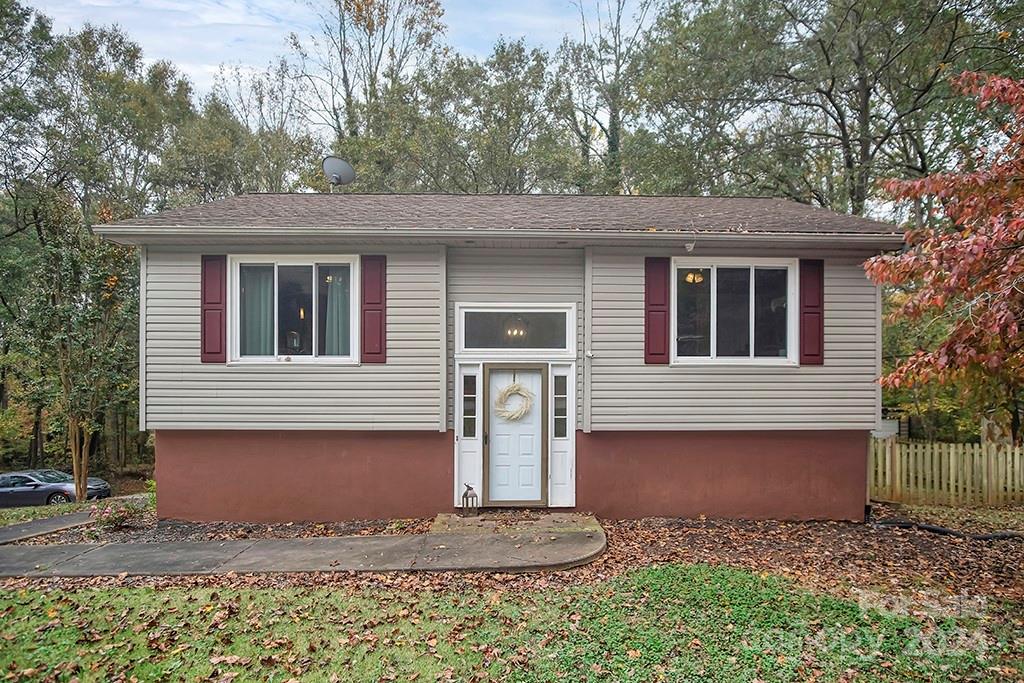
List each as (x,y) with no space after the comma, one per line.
(814,100)
(965,266)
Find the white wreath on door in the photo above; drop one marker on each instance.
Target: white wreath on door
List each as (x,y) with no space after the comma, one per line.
(513,414)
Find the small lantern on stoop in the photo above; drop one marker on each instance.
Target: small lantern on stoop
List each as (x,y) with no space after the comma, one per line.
(470,502)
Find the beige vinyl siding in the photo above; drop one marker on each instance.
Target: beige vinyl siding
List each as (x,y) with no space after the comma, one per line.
(511,276)
(627,394)
(405,393)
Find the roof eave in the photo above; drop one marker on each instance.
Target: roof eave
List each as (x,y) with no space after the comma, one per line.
(128,234)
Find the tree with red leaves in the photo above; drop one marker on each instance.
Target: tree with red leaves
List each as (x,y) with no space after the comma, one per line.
(965,267)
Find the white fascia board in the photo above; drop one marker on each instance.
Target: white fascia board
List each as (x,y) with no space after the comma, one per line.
(177,234)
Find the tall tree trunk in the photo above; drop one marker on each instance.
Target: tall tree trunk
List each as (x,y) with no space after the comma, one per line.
(859,187)
(75,448)
(3,378)
(122,441)
(80,443)
(613,164)
(36,445)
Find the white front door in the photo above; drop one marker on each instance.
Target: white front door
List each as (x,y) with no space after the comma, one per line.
(515,444)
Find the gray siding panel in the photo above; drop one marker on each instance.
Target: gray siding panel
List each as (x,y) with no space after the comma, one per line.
(625,394)
(629,395)
(509,276)
(181,392)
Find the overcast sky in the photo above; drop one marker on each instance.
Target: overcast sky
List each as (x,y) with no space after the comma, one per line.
(199,35)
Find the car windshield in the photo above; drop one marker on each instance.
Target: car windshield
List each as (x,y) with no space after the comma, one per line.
(52,476)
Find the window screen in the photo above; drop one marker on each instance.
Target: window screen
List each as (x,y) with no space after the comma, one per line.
(693,312)
(770,312)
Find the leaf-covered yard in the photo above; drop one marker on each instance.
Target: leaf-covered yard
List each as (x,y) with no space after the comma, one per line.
(668,622)
(670,600)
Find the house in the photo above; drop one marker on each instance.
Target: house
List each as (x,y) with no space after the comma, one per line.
(333,356)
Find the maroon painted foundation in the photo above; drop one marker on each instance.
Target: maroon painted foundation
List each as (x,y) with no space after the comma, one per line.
(280,476)
(284,476)
(740,475)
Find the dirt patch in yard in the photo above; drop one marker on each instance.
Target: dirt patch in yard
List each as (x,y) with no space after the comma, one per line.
(966,520)
(150,530)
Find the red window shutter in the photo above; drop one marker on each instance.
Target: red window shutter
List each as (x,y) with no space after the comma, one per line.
(656,310)
(373,315)
(213,290)
(812,312)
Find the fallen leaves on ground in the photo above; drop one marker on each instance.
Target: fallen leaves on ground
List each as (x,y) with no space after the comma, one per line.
(151,530)
(970,520)
(602,621)
(837,557)
(657,623)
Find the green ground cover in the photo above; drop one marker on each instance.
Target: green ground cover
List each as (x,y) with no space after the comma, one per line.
(672,622)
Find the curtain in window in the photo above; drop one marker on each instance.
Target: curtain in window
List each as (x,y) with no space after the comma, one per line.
(256,314)
(336,310)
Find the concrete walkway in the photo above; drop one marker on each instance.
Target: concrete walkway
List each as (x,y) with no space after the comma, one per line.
(13,533)
(41,527)
(503,550)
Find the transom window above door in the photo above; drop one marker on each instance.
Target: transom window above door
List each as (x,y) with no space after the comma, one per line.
(294,308)
(734,311)
(490,329)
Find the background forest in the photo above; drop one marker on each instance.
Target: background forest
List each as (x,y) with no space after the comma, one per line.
(814,100)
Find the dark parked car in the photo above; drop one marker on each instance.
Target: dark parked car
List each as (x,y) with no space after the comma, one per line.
(44,487)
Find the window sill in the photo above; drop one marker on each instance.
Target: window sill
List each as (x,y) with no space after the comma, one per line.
(517,354)
(734,362)
(263,362)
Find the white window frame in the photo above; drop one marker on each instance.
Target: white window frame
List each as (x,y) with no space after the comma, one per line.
(234,298)
(468,451)
(475,371)
(566,370)
(792,267)
(568,352)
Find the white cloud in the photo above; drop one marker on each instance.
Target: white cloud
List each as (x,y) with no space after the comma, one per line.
(197,36)
(200,35)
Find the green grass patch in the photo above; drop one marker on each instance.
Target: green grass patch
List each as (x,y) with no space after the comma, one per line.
(27,514)
(672,623)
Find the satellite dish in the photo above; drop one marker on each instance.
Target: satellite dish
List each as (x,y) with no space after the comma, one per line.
(338,171)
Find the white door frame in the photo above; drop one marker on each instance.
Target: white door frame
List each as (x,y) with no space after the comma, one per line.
(485,414)
(560,465)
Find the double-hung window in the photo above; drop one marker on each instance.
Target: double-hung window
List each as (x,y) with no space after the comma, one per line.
(294,308)
(734,311)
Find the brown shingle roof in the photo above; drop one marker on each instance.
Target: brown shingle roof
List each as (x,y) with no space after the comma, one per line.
(511,212)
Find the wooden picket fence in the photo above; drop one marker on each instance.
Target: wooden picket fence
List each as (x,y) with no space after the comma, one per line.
(946,473)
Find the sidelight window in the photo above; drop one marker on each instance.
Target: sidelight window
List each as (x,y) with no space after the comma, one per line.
(469,405)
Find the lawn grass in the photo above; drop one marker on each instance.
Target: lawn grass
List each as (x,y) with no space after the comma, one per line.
(27,514)
(673,622)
